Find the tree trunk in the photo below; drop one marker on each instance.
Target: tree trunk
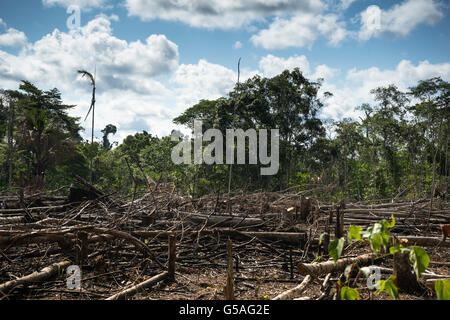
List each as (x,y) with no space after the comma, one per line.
(405,277)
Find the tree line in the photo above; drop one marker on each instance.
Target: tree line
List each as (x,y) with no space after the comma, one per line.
(398,147)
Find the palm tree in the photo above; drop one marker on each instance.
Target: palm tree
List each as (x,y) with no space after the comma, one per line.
(89,75)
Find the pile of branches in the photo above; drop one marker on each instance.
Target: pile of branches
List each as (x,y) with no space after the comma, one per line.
(123,246)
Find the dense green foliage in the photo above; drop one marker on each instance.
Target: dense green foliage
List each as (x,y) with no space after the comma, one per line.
(398,148)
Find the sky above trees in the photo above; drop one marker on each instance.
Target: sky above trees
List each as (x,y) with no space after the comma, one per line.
(155,58)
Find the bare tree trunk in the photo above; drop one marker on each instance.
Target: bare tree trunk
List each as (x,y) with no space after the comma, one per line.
(405,277)
(10,142)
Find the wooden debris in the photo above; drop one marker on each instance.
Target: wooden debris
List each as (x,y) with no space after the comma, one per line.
(294,292)
(44,274)
(322,268)
(139,287)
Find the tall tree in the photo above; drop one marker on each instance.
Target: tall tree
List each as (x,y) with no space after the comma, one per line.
(45,134)
(92,108)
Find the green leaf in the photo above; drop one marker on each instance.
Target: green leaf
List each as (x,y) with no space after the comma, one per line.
(420,259)
(442,288)
(393,250)
(335,248)
(376,240)
(354,233)
(389,286)
(378,234)
(349,294)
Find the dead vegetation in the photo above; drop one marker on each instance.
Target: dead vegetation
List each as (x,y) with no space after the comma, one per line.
(161,245)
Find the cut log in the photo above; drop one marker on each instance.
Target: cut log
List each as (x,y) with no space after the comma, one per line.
(42,275)
(424,241)
(225,221)
(317,269)
(294,292)
(127,293)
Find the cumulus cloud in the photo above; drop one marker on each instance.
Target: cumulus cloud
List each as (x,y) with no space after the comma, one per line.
(399,20)
(203,80)
(271,65)
(57,56)
(13,38)
(301,30)
(218,13)
(84,4)
(354,90)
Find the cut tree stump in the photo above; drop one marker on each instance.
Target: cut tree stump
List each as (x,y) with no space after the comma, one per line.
(405,277)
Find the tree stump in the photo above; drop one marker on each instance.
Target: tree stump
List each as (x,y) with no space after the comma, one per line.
(406,280)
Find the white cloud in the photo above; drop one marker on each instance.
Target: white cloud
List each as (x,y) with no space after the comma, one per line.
(84,4)
(13,38)
(203,80)
(301,30)
(218,13)
(237,45)
(399,20)
(354,90)
(271,65)
(57,56)
(345,4)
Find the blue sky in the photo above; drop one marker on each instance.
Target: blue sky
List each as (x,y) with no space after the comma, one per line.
(155,58)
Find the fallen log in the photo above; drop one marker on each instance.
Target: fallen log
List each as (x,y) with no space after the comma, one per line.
(293,238)
(44,274)
(11,220)
(140,286)
(317,269)
(424,241)
(225,221)
(294,292)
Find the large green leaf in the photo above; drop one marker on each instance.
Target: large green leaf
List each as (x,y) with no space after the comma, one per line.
(420,259)
(389,286)
(335,248)
(354,233)
(442,288)
(348,293)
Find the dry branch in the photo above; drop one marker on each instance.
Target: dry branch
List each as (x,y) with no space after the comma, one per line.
(322,268)
(127,293)
(294,292)
(44,274)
